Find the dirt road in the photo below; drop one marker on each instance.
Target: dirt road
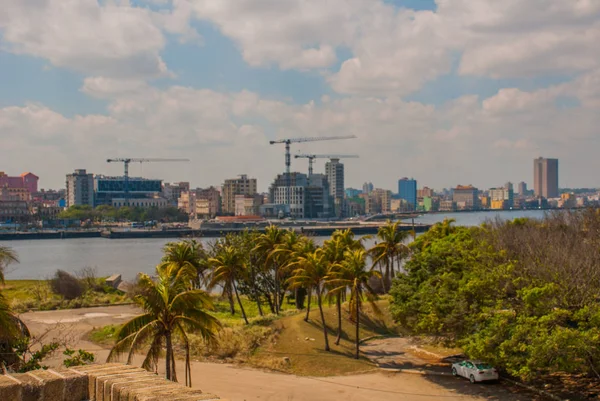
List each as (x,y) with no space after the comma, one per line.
(240,384)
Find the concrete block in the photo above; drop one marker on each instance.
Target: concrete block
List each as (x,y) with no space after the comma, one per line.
(127,391)
(109,384)
(76,385)
(94,371)
(10,388)
(33,387)
(53,384)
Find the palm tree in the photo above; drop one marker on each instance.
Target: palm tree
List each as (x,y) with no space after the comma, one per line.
(7,256)
(354,274)
(171,308)
(311,271)
(265,245)
(228,267)
(186,253)
(390,248)
(341,241)
(12,328)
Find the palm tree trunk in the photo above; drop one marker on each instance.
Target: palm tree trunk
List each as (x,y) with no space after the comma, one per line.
(323,320)
(357,300)
(230,299)
(276,297)
(240,303)
(339,313)
(173,372)
(387,275)
(308,306)
(270,302)
(260,311)
(169,346)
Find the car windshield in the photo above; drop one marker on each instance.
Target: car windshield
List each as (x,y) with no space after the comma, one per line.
(483,366)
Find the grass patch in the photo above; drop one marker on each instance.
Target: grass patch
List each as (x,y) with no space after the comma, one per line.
(104,336)
(25,295)
(303,343)
(286,342)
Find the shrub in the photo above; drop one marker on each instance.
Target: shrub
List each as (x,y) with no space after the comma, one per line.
(66,285)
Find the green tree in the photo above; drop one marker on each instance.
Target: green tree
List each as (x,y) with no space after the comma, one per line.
(389,249)
(228,266)
(334,249)
(7,256)
(188,253)
(266,245)
(311,271)
(12,329)
(353,274)
(171,309)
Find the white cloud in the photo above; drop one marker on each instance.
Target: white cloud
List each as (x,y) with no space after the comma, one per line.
(113,39)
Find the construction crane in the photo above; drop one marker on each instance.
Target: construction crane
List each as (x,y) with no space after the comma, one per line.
(298,140)
(311,159)
(128,160)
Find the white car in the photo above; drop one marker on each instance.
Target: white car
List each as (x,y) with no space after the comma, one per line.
(475,371)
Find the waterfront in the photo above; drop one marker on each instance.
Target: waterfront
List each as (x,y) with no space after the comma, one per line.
(41,258)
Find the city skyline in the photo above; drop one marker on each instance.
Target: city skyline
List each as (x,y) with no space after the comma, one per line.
(484,87)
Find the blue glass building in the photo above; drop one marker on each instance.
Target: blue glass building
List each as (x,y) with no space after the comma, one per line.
(407,190)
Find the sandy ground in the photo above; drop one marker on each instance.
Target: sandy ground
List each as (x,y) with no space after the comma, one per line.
(241,384)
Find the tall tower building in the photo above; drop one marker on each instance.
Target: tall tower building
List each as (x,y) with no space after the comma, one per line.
(236,186)
(407,190)
(522,189)
(80,188)
(545,177)
(334,170)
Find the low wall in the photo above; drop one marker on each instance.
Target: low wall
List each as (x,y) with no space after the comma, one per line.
(108,382)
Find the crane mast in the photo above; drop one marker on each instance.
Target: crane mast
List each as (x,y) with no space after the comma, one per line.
(288,161)
(311,158)
(128,160)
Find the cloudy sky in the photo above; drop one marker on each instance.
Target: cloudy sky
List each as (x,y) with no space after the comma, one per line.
(448,91)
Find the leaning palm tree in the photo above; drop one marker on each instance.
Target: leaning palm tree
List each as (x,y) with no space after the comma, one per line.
(171,309)
(186,253)
(353,274)
(12,329)
(311,271)
(228,267)
(7,256)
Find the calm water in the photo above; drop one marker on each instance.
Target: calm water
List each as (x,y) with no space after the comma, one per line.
(41,258)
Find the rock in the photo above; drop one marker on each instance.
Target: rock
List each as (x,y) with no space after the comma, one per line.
(286,360)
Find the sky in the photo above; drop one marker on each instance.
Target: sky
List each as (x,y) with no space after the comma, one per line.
(448,91)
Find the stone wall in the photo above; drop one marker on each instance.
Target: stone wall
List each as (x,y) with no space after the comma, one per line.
(108,382)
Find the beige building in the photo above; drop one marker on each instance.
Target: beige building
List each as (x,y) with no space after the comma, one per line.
(15,194)
(545,177)
(378,201)
(236,186)
(466,197)
(172,191)
(248,205)
(201,202)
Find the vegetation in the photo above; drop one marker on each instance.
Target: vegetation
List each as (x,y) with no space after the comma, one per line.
(172,308)
(107,213)
(522,294)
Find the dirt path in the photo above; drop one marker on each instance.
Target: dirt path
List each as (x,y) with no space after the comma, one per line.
(240,384)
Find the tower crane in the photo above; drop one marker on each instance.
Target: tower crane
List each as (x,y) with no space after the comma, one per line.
(311,159)
(299,140)
(128,160)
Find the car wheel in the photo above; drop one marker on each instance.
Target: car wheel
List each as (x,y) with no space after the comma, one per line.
(454,372)
(472,379)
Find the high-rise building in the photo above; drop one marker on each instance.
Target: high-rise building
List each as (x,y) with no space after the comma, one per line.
(522,188)
(465,197)
(424,192)
(236,186)
(334,170)
(407,190)
(545,177)
(367,187)
(141,192)
(28,181)
(501,198)
(80,188)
